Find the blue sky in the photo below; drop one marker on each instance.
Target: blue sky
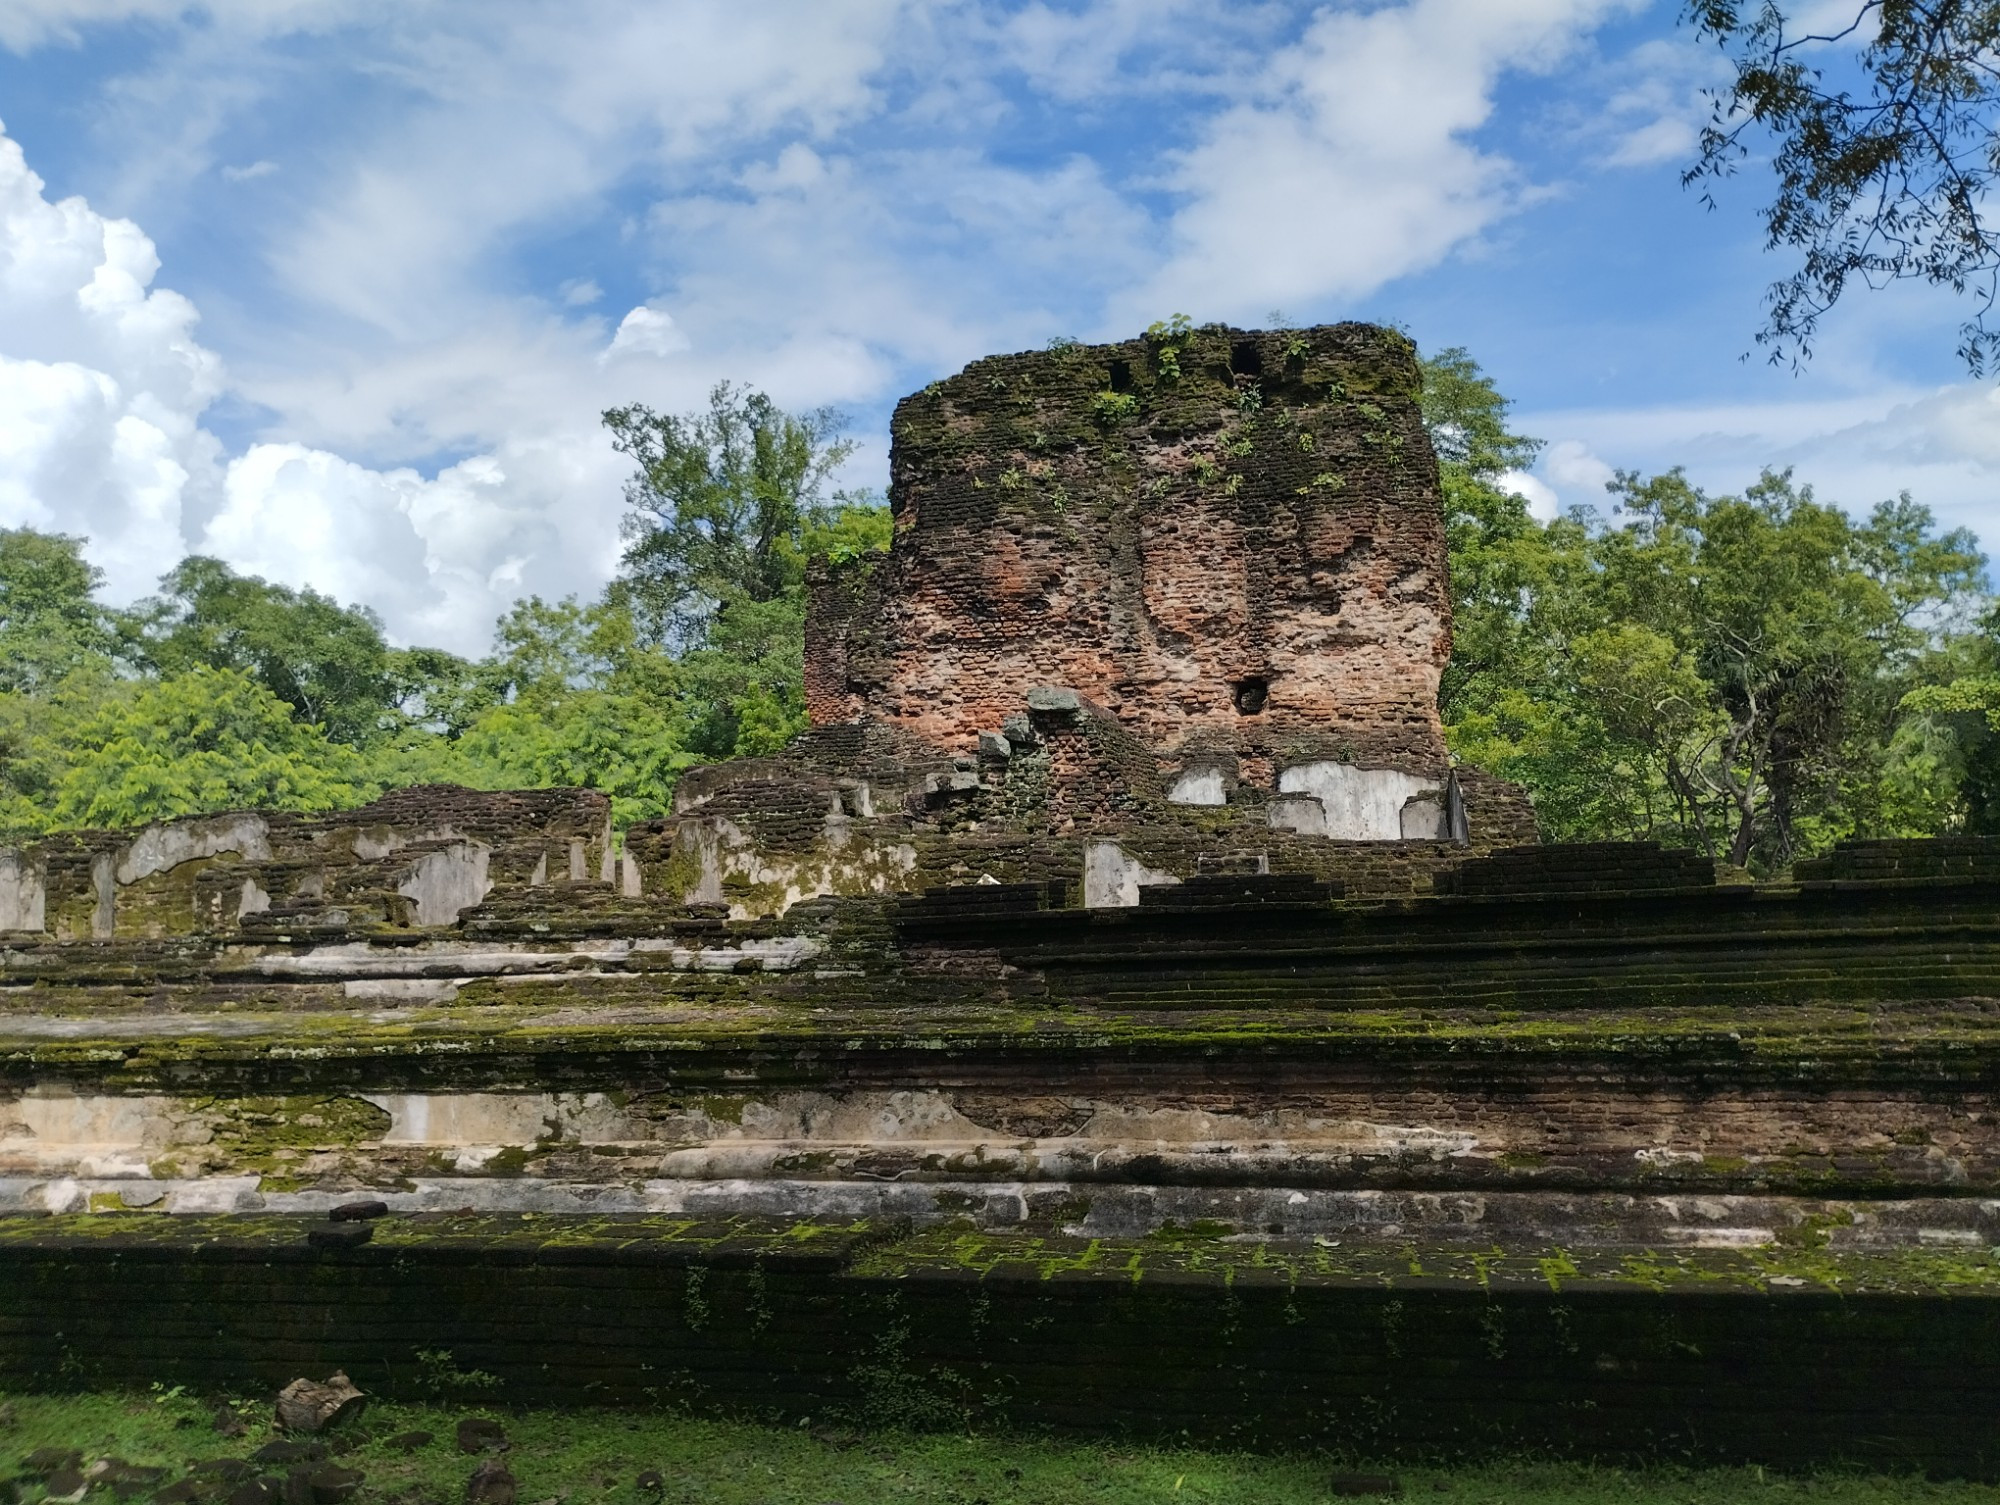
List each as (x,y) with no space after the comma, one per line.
(336,288)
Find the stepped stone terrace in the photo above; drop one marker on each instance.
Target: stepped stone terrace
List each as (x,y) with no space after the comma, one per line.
(1115,1012)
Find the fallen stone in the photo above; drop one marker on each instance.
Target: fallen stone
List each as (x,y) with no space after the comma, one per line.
(341,1236)
(65,1484)
(313,1406)
(186,1492)
(283,1452)
(321,1484)
(1349,1486)
(46,1461)
(125,1479)
(228,1470)
(258,1492)
(1050,700)
(409,1442)
(229,1424)
(490,1484)
(358,1212)
(652,1481)
(481,1434)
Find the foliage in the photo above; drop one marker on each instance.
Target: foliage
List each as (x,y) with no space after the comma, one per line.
(50,621)
(1883,168)
(721,504)
(1724,672)
(328,662)
(208,739)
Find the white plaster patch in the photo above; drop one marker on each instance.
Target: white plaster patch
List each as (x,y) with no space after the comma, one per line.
(1199,786)
(23,892)
(1358,804)
(401,990)
(1112,880)
(159,848)
(447,883)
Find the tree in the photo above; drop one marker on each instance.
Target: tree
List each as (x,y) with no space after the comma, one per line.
(209,739)
(1499,558)
(1724,671)
(721,503)
(727,506)
(328,662)
(1883,124)
(50,622)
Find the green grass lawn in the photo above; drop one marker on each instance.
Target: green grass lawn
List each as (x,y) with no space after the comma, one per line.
(599,1455)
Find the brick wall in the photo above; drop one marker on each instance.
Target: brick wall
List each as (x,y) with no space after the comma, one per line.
(1231,540)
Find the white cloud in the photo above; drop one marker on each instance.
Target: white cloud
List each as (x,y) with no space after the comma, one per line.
(646,331)
(1569,466)
(262,168)
(1943,446)
(1542,500)
(1352,164)
(101,382)
(103,386)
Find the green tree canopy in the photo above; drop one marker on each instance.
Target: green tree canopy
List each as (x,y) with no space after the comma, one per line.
(208,739)
(50,620)
(720,506)
(328,662)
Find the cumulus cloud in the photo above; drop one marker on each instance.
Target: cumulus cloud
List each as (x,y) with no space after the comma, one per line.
(646,331)
(101,382)
(103,387)
(1542,500)
(1333,178)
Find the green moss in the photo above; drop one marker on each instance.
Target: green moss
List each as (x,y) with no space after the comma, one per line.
(276,1137)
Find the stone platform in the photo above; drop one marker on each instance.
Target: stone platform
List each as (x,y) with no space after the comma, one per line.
(1796,1354)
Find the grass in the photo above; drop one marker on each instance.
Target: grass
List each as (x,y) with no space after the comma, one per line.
(599,1455)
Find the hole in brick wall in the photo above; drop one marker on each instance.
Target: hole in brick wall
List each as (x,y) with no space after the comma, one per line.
(1244,359)
(1121,376)
(1251,695)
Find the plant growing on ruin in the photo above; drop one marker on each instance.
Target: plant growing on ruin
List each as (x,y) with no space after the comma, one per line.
(1113,408)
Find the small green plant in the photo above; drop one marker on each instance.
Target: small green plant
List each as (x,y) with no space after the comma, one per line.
(1113,408)
(439,1376)
(1240,447)
(1249,398)
(1205,469)
(1063,342)
(1169,337)
(1306,442)
(1012,479)
(1296,348)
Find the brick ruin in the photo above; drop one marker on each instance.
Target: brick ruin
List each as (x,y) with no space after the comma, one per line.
(1154,610)
(1232,541)
(1054,1034)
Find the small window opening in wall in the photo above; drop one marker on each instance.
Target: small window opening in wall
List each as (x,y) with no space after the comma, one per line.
(1251,695)
(1244,359)
(1121,376)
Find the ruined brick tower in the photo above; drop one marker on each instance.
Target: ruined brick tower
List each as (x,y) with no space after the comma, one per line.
(1154,612)
(1230,540)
